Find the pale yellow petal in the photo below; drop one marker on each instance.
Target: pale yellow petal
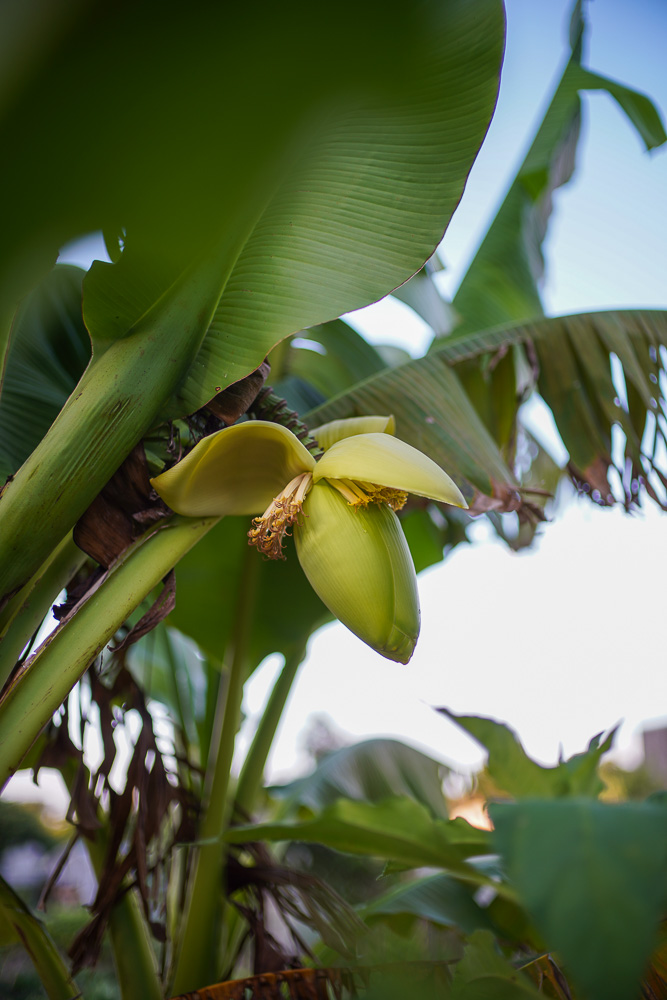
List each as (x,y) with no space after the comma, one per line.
(359,564)
(238,470)
(336,430)
(388,461)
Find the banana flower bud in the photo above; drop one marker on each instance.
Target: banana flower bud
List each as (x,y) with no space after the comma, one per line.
(341,509)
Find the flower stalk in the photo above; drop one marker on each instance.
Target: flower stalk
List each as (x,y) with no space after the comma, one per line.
(197,959)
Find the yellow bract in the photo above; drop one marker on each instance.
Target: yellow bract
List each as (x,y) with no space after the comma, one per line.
(238,470)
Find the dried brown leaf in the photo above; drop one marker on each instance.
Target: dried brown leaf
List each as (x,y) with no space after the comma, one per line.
(162,606)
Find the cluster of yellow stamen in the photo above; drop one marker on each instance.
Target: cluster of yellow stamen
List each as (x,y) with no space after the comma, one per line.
(270,529)
(360,494)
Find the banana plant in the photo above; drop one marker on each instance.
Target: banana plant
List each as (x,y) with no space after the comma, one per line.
(236,218)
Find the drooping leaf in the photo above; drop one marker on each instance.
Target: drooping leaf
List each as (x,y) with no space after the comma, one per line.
(593,878)
(484,974)
(369,772)
(48,351)
(596,370)
(399,830)
(513,771)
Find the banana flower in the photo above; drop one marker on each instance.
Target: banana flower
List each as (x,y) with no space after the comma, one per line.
(341,509)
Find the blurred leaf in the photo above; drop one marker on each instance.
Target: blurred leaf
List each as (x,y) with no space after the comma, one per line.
(503,281)
(512,771)
(299,394)
(593,876)
(20,823)
(170,669)
(48,350)
(483,973)
(286,608)
(438,899)
(399,829)
(371,771)
(427,540)
(344,358)
(639,109)
(575,355)
(422,295)
(18,923)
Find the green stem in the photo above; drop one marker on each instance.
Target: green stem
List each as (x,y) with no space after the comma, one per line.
(22,616)
(24,927)
(214,681)
(197,962)
(119,397)
(252,772)
(37,690)
(134,957)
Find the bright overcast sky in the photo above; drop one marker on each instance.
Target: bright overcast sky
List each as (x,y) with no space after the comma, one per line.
(566,640)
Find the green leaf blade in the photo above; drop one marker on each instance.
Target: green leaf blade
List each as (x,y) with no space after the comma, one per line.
(593,878)
(399,830)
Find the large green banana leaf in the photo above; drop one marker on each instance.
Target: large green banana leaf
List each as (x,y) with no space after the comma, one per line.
(346,206)
(247,216)
(154,115)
